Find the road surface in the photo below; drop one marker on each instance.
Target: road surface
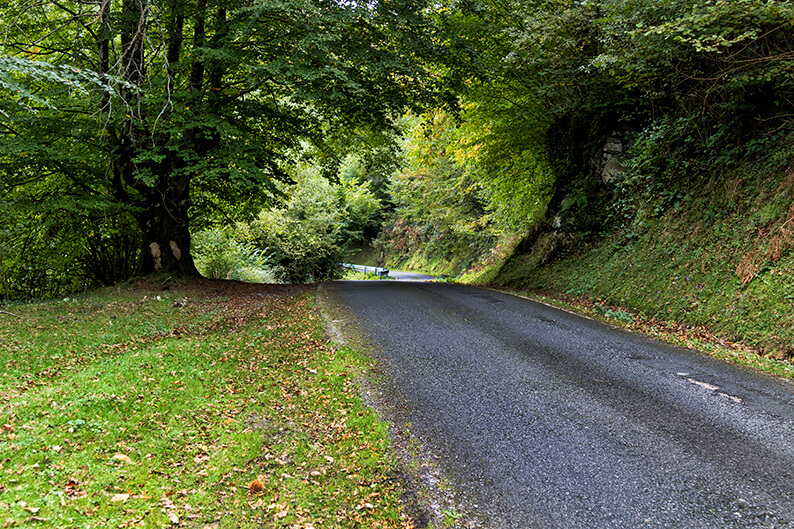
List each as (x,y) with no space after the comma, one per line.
(391,274)
(541,418)
(409,276)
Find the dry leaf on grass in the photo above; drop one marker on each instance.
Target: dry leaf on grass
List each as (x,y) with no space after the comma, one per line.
(73,489)
(256,486)
(122,457)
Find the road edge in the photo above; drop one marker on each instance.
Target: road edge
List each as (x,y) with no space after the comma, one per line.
(429,499)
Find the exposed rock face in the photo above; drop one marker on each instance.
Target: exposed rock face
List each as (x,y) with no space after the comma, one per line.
(611,166)
(584,189)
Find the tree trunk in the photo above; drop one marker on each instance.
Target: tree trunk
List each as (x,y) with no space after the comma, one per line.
(5,283)
(163,204)
(165,227)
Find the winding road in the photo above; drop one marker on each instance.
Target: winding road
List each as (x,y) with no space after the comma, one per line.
(545,419)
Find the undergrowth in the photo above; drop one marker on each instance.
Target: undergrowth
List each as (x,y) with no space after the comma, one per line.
(720,258)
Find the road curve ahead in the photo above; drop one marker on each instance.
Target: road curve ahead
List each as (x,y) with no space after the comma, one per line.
(541,418)
(409,276)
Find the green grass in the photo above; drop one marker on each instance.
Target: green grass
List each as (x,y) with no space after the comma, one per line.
(207,405)
(721,264)
(363,254)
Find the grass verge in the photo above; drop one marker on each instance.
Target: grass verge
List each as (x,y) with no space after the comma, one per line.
(712,269)
(694,337)
(352,275)
(211,404)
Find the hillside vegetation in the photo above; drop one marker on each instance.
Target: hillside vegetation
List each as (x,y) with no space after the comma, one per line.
(720,257)
(639,152)
(632,154)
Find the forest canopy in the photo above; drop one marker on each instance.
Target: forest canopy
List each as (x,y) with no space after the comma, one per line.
(127,123)
(123,120)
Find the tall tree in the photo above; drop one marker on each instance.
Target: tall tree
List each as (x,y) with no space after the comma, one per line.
(201,102)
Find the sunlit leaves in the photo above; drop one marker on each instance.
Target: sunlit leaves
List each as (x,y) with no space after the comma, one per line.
(19,77)
(213,99)
(306,239)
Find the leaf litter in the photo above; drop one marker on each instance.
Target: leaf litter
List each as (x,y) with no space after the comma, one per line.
(209,404)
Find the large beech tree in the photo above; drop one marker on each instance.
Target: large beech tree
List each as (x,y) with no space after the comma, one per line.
(197,103)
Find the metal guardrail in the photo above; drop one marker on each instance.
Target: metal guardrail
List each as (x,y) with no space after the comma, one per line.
(377,270)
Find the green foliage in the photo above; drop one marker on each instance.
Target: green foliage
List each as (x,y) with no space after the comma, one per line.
(374,160)
(439,211)
(456,199)
(185,112)
(62,230)
(302,250)
(352,275)
(188,113)
(710,79)
(696,229)
(225,254)
(308,236)
(63,246)
(111,251)
(21,81)
(510,166)
(721,260)
(688,87)
(436,186)
(722,70)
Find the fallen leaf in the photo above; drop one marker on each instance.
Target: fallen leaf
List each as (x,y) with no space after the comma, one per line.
(256,486)
(88,511)
(120,498)
(166,503)
(72,488)
(122,457)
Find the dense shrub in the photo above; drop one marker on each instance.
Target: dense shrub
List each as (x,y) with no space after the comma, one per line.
(46,253)
(224,254)
(307,237)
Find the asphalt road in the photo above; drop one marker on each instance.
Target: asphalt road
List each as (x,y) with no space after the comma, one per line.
(541,418)
(391,274)
(409,276)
